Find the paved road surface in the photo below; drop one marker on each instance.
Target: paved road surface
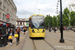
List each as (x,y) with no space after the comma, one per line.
(50,42)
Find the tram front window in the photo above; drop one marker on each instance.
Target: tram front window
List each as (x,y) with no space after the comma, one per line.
(38,22)
(40,27)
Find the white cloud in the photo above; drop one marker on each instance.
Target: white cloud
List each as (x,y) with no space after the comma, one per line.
(25,8)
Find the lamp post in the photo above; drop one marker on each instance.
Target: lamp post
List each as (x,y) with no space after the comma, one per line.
(61,27)
(49,24)
(39,11)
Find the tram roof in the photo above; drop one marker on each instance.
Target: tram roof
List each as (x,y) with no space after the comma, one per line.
(36,15)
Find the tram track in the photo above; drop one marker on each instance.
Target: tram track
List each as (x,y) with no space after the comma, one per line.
(41,44)
(50,44)
(34,44)
(59,37)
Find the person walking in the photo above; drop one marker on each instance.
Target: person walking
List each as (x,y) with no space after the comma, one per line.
(24,30)
(68,28)
(54,29)
(18,38)
(11,33)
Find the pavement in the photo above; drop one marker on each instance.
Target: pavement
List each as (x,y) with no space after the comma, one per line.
(14,46)
(52,38)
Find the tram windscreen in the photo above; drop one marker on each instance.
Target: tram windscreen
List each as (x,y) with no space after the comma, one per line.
(37,21)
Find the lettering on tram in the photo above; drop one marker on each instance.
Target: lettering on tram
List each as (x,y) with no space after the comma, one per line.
(36,26)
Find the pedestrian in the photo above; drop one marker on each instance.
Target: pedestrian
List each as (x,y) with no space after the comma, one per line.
(24,30)
(18,38)
(51,29)
(11,33)
(54,29)
(68,28)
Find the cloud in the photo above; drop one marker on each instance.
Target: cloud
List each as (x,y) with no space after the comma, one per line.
(25,8)
(24,12)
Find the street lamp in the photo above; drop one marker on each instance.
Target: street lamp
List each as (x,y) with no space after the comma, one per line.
(49,24)
(69,20)
(61,27)
(39,11)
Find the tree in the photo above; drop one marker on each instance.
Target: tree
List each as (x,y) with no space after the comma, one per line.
(51,21)
(72,18)
(55,21)
(66,17)
(47,21)
(58,20)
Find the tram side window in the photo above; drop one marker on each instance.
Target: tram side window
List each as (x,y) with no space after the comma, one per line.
(30,22)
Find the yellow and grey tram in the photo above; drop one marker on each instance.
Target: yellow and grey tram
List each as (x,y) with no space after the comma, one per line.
(37,26)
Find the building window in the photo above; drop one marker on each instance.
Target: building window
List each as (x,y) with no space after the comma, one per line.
(22,23)
(0,15)
(3,16)
(0,5)
(7,10)
(4,8)
(19,23)
(16,23)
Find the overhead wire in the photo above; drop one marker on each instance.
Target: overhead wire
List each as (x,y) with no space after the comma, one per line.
(36,5)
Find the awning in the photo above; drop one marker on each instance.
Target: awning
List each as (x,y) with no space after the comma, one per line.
(7,24)
(1,22)
(4,24)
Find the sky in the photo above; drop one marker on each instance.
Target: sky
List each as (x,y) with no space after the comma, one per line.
(25,8)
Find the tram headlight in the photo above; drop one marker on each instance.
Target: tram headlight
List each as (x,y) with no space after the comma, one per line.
(33,31)
(43,31)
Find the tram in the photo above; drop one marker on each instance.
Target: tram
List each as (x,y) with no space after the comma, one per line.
(37,26)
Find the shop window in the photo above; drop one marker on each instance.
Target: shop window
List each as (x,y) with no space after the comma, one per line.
(0,5)
(3,16)
(0,15)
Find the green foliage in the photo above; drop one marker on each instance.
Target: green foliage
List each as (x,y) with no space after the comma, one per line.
(66,11)
(72,18)
(47,19)
(58,20)
(66,17)
(55,20)
(51,21)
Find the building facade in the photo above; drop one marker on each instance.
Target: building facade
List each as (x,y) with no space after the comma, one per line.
(22,22)
(8,7)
